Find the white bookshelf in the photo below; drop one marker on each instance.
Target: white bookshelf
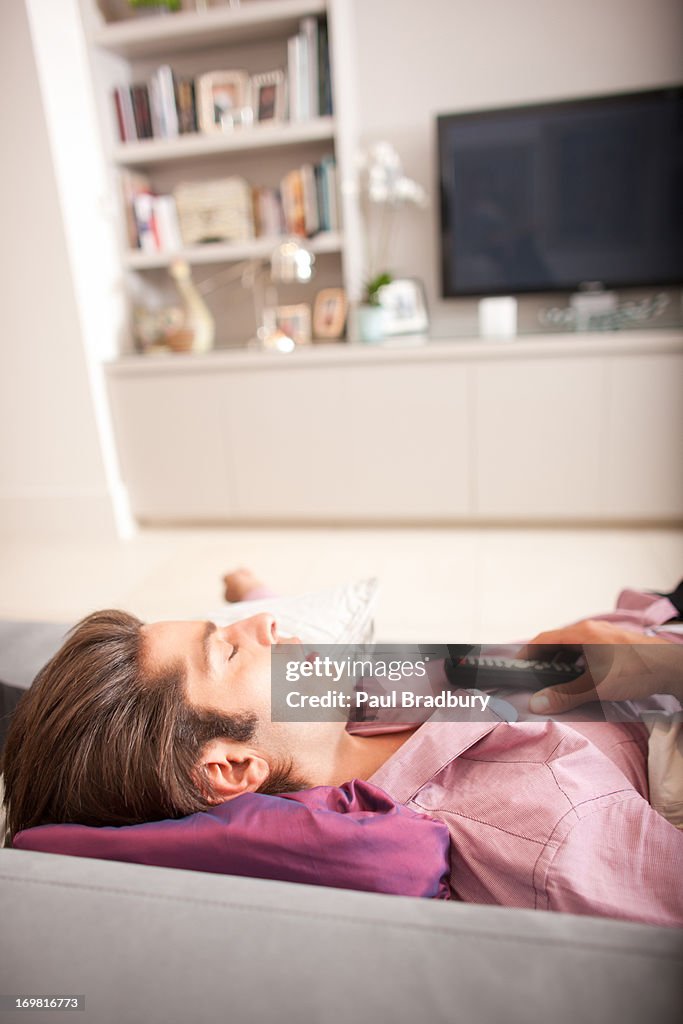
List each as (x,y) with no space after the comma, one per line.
(252,36)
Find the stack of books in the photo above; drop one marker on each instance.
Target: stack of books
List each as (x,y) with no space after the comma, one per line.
(161,108)
(309,85)
(304,204)
(308,196)
(166,105)
(151,220)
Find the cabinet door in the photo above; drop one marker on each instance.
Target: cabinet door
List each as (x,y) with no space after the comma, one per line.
(172,446)
(538,431)
(644,464)
(358,442)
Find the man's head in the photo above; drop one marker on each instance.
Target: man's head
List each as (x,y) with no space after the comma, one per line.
(131,722)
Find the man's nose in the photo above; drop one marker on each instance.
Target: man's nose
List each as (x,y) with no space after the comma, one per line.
(265,628)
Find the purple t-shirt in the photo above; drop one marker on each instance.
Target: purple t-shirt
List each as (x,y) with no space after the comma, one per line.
(352,836)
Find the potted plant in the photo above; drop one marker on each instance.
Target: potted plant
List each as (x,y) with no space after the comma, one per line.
(383,188)
(370,312)
(155,6)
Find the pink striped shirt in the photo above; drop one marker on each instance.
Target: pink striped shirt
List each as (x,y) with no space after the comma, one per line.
(548,815)
(545,815)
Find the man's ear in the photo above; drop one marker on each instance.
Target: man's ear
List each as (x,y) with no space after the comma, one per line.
(230,769)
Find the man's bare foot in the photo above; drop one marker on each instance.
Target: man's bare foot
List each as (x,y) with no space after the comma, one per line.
(239,583)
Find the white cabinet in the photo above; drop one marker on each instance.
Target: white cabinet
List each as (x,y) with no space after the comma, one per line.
(539,437)
(348,442)
(173,447)
(643,471)
(543,430)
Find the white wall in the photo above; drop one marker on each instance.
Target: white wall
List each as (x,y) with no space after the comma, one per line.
(416,60)
(52,472)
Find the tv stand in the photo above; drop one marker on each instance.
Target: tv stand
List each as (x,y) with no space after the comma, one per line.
(554,428)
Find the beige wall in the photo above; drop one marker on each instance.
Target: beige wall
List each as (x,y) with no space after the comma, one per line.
(416,60)
(51,470)
(413,61)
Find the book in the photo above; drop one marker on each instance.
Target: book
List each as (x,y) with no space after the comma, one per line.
(323,206)
(186,104)
(166,223)
(310,200)
(143,208)
(324,73)
(155,107)
(291,190)
(133,183)
(169,113)
(309,30)
(329,173)
(276,213)
(143,120)
(298,76)
(124,114)
(118,109)
(268,219)
(293,74)
(303,81)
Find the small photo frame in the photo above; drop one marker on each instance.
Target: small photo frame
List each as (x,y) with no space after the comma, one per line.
(405,307)
(329,313)
(223,98)
(295,322)
(267,96)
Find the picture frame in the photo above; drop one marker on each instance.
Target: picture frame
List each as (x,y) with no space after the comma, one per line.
(223,100)
(295,322)
(405,307)
(267,96)
(329,314)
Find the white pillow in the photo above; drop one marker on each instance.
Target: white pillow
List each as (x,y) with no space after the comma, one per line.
(339,615)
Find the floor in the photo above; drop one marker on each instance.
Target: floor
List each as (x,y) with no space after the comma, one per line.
(437,584)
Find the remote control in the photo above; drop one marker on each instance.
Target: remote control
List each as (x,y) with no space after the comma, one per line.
(489,671)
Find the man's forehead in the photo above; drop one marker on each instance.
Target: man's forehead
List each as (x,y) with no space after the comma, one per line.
(169,638)
(184,644)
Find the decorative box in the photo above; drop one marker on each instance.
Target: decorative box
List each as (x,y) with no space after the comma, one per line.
(215,211)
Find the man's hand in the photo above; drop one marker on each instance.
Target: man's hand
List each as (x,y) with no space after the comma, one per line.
(620,665)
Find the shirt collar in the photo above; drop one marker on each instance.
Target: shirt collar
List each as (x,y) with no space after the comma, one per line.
(434,745)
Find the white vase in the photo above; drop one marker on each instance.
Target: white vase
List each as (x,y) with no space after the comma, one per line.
(198,319)
(371,323)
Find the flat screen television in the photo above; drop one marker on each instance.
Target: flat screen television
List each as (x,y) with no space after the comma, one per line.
(552,197)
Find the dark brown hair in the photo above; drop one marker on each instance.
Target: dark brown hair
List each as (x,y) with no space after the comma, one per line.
(100,740)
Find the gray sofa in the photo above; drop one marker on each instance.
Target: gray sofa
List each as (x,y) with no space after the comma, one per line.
(146,944)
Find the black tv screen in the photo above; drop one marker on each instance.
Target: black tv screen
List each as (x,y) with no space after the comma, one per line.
(549,198)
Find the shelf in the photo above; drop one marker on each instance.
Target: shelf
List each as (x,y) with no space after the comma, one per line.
(149,152)
(228,252)
(417,350)
(153,36)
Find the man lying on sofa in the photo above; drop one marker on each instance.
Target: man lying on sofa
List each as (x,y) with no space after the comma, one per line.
(132,723)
